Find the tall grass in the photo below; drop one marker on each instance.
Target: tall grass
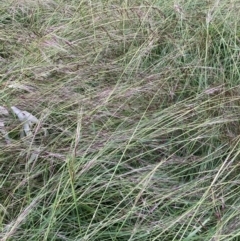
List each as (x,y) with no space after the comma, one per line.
(140,100)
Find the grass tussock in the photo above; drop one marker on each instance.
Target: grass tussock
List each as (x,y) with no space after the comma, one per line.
(140,103)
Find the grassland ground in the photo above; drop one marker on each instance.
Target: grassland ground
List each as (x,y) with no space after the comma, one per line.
(138,111)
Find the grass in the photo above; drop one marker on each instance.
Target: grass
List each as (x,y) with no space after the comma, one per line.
(140,100)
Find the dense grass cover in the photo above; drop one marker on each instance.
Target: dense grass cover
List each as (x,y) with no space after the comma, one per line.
(141,103)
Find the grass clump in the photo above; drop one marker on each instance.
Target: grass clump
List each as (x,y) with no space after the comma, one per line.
(138,132)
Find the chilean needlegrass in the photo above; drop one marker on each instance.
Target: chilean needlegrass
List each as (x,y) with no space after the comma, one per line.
(140,101)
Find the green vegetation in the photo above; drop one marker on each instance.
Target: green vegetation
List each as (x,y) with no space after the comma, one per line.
(140,100)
